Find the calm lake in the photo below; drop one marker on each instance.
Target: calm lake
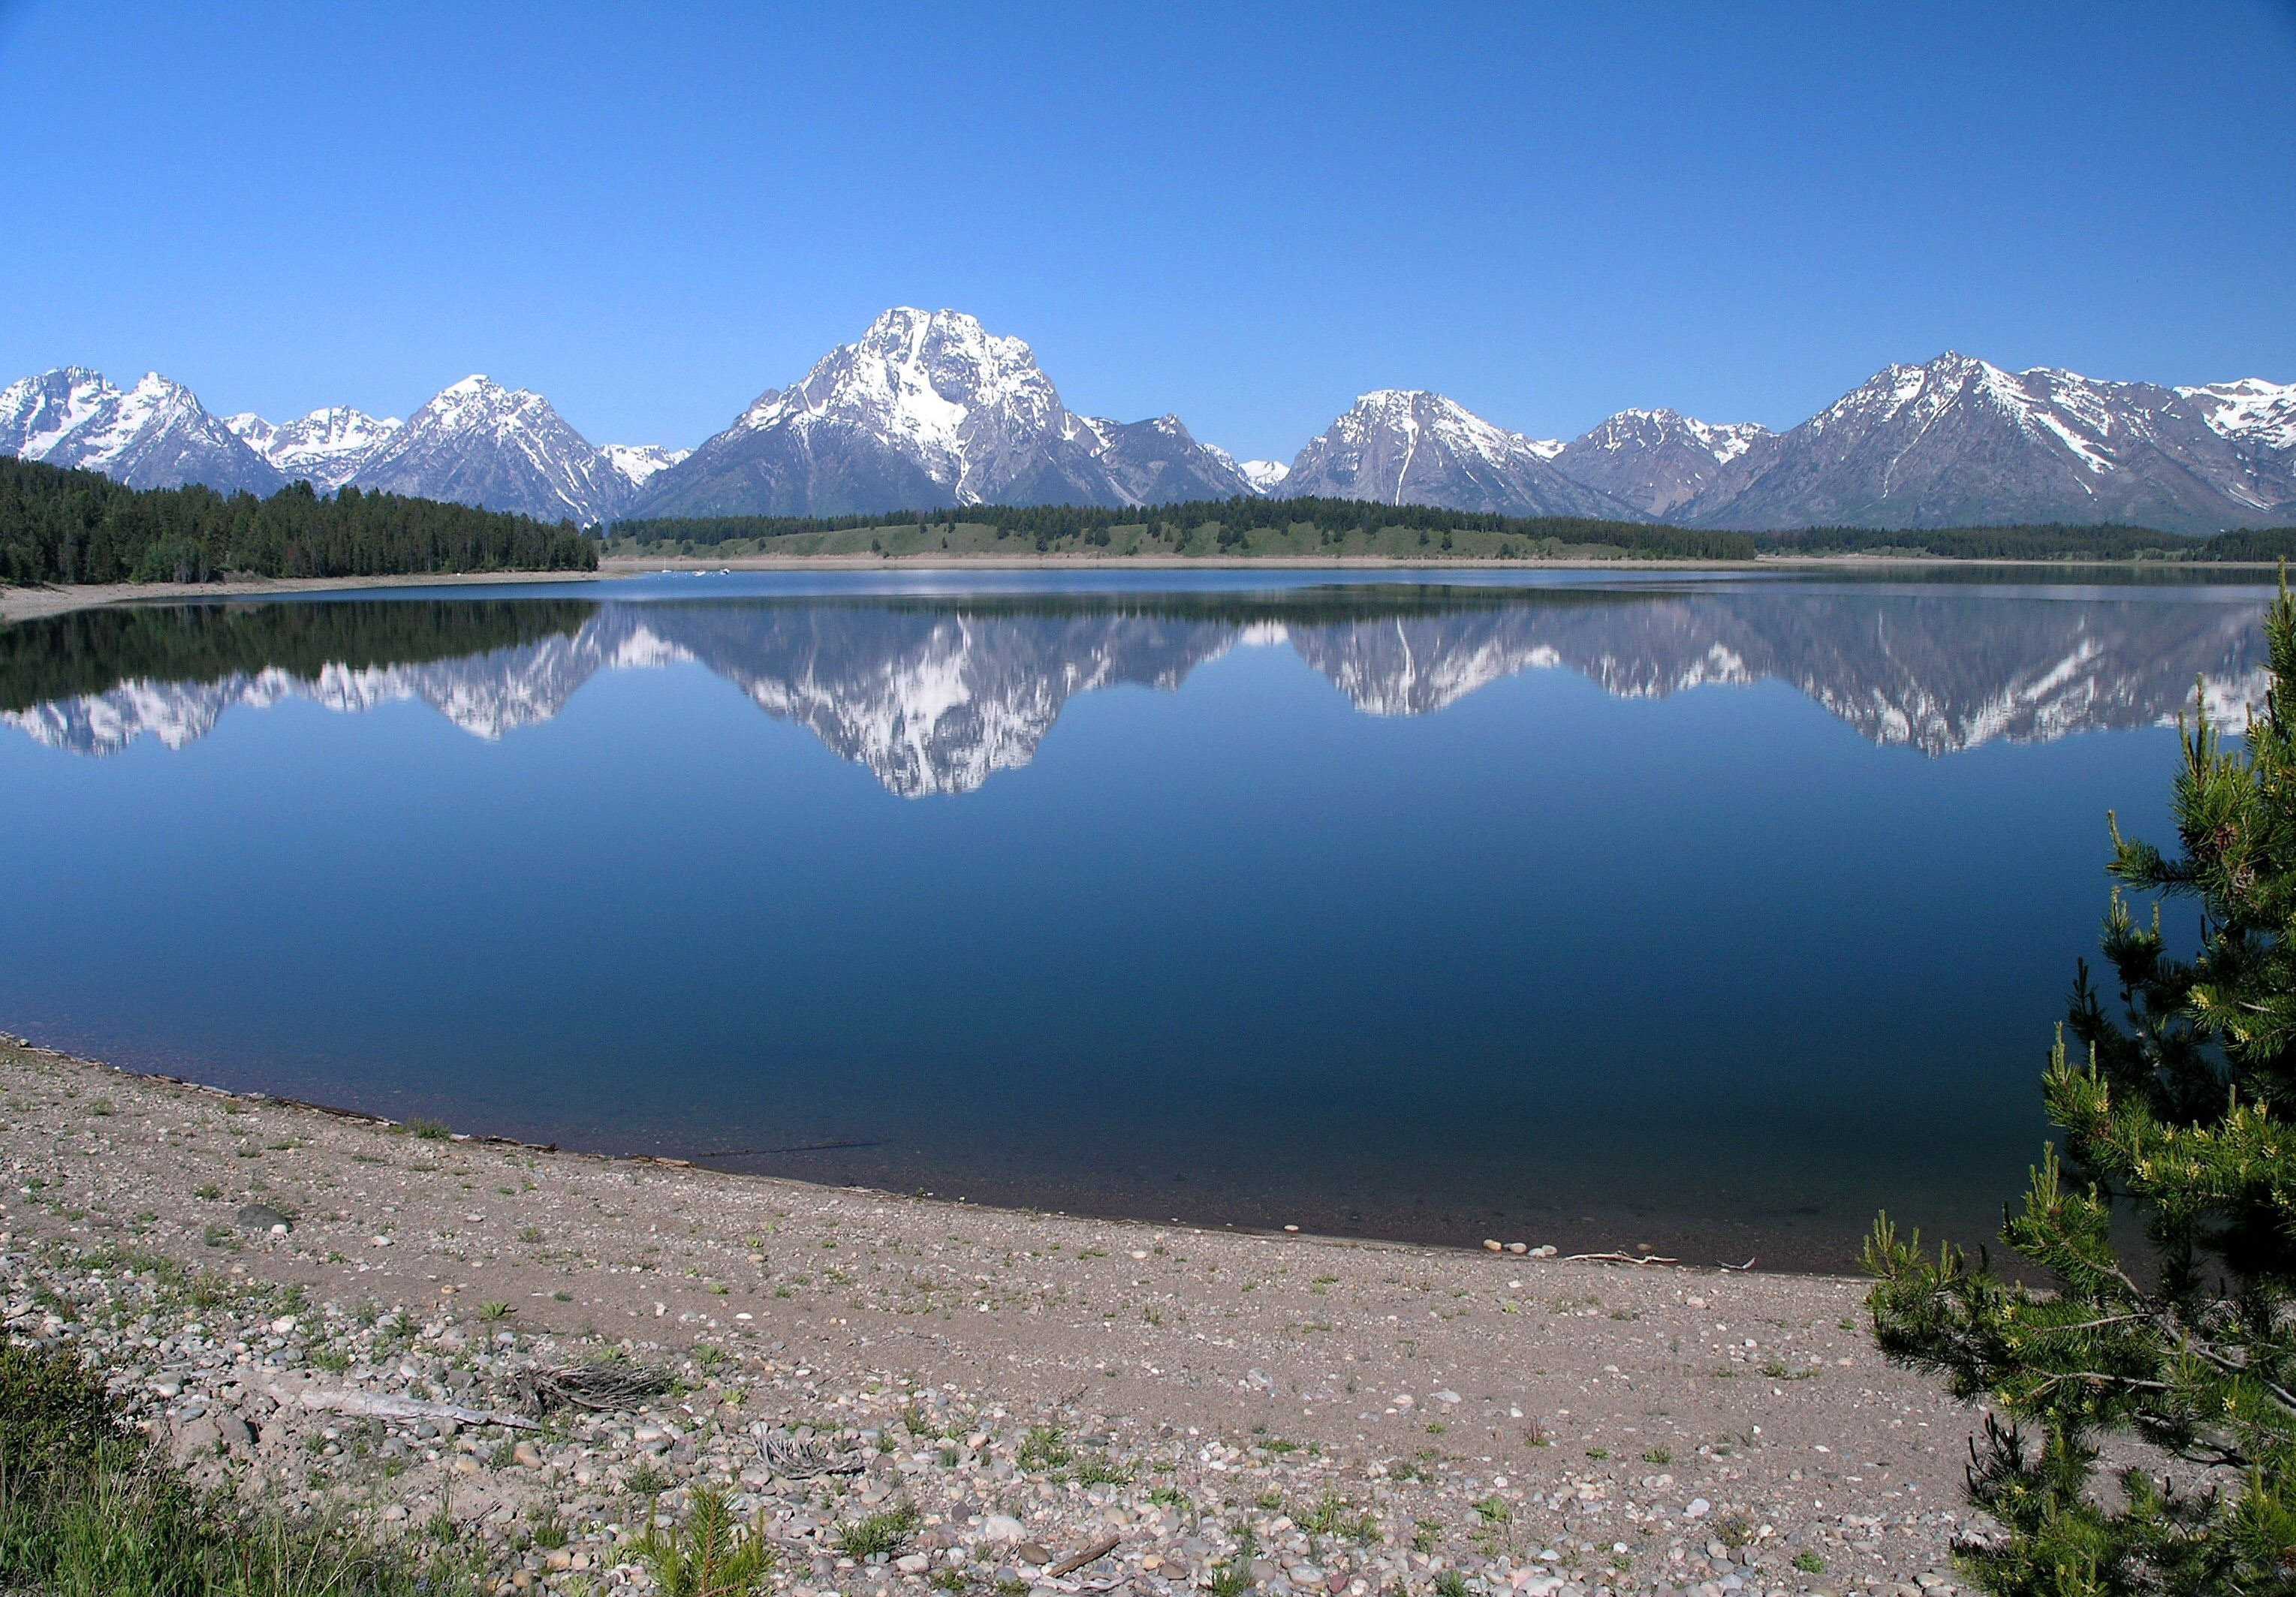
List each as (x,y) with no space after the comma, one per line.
(1713,915)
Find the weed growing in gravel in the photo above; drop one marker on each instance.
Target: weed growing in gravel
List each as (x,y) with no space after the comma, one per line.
(1494,1510)
(1229,1580)
(886,1531)
(1042,1449)
(646,1481)
(1427,1536)
(1657,1455)
(1171,1497)
(1336,1515)
(429,1131)
(1809,1562)
(1450,1583)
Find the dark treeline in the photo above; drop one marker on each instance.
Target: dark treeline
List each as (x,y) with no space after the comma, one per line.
(1079,527)
(2052,541)
(1237,519)
(2251,544)
(91,650)
(66,526)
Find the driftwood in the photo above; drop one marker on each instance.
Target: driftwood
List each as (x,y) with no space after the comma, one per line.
(381,1405)
(601,1387)
(802,1460)
(1077,1561)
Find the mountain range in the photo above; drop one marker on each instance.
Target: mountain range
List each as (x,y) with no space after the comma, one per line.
(477,442)
(930,410)
(936,698)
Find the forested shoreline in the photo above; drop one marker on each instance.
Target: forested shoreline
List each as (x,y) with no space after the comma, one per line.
(1312,528)
(59,526)
(67,527)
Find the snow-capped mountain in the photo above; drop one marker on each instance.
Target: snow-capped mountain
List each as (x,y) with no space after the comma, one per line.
(1265,476)
(926,409)
(1409,447)
(479,443)
(1958,441)
(1664,463)
(156,434)
(326,448)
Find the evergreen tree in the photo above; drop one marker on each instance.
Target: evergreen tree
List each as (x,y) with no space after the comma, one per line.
(2181,1116)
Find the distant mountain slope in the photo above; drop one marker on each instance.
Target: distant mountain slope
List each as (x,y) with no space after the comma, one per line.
(326,448)
(1959,442)
(1408,446)
(479,443)
(1665,464)
(156,434)
(928,410)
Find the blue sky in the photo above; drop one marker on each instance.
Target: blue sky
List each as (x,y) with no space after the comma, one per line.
(1244,214)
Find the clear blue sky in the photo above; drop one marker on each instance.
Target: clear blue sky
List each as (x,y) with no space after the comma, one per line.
(1244,214)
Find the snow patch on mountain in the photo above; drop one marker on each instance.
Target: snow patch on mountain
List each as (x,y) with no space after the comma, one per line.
(2250,411)
(639,463)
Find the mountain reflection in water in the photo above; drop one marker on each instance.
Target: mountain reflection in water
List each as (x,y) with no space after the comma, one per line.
(934,696)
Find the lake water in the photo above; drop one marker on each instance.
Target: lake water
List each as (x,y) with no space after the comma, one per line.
(1712,914)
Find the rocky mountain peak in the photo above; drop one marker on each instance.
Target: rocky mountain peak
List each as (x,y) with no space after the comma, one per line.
(1411,446)
(324,448)
(154,435)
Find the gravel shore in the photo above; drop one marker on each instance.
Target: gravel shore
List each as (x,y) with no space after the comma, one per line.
(996,1392)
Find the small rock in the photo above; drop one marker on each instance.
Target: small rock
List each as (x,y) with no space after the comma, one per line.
(999,1529)
(913,1563)
(1032,1552)
(1493,1245)
(1698,1507)
(261,1216)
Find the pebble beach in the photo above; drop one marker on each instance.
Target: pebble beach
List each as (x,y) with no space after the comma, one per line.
(352,1315)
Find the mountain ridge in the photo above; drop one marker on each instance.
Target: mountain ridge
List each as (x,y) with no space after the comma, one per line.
(928,410)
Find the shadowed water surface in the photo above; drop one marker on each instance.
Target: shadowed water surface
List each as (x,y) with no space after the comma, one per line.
(1709,914)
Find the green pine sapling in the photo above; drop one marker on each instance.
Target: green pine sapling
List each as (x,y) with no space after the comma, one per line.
(2184,1115)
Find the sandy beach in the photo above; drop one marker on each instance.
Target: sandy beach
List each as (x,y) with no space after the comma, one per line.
(1316,1412)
